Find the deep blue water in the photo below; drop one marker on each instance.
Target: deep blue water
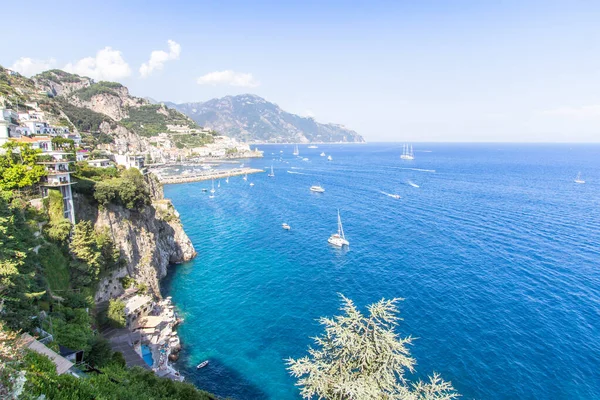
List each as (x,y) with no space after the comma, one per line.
(496,253)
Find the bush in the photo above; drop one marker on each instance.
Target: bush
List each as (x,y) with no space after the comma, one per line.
(127,282)
(100,353)
(129,190)
(116,313)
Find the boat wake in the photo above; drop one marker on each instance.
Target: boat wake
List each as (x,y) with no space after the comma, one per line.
(297,168)
(297,173)
(411,183)
(395,196)
(421,170)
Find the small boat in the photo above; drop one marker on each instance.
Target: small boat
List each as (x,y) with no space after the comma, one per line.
(251,184)
(245,177)
(219,184)
(296,151)
(322,154)
(272,174)
(212,196)
(204,189)
(578,178)
(305,159)
(213,187)
(395,196)
(312,146)
(317,189)
(202,364)
(339,239)
(227,180)
(286,226)
(329,158)
(407,152)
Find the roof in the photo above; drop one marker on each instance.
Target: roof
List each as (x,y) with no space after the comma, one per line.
(34,139)
(62,364)
(65,351)
(99,160)
(148,322)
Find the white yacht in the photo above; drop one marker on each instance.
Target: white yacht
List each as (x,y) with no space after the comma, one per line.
(272,174)
(322,154)
(339,239)
(407,152)
(312,146)
(578,178)
(296,151)
(286,226)
(329,158)
(317,188)
(213,187)
(251,184)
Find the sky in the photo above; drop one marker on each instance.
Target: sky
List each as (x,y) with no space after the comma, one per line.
(464,71)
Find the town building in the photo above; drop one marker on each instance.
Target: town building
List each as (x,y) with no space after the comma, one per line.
(59,178)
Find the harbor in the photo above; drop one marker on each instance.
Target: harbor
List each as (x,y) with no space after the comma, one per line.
(204,175)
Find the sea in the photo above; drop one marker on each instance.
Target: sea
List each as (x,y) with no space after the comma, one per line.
(494,249)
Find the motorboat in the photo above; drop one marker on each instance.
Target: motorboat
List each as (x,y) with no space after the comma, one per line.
(317,189)
(202,364)
(286,226)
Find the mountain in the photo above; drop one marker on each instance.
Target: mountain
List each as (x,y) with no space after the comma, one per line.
(103,113)
(253,119)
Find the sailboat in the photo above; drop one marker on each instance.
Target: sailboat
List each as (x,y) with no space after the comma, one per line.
(329,158)
(407,152)
(272,174)
(578,178)
(322,154)
(245,177)
(227,180)
(219,184)
(339,239)
(213,187)
(296,151)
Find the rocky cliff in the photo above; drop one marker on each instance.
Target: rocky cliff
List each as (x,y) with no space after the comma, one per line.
(251,118)
(149,239)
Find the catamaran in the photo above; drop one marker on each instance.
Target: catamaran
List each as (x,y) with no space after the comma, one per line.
(317,189)
(578,178)
(272,174)
(213,187)
(296,151)
(407,152)
(339,239)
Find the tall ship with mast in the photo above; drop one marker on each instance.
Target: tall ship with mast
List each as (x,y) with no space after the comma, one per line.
(407,152)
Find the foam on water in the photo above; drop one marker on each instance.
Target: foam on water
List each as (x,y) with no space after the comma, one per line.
(496,256)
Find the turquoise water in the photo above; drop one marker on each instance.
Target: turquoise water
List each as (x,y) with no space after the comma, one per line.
(147,355)
(496,253)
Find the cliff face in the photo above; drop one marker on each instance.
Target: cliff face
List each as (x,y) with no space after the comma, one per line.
(149,240)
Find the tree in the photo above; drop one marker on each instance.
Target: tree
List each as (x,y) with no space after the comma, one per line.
(116,313)
(362,357)
(18,166)
(100,352)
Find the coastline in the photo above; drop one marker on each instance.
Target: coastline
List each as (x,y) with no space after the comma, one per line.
(205,176)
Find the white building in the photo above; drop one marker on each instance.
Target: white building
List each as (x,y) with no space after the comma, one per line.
(130,161)
(101,163)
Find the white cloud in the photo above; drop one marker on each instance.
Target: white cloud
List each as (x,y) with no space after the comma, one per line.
(159,57)
(107,65)
(28,66)
(228,77)
(581,112)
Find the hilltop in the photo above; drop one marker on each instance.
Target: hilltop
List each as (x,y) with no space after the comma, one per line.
(102,113)
(251,118)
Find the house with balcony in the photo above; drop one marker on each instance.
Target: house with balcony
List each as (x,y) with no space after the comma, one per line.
(59,178)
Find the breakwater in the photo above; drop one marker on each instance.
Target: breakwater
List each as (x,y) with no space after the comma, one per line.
(207,175)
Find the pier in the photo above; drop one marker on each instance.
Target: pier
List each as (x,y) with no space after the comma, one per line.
(207,175)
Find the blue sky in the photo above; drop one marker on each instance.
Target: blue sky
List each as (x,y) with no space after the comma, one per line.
(393,71)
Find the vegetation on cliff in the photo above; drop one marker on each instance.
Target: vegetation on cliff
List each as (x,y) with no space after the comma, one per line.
(49,270)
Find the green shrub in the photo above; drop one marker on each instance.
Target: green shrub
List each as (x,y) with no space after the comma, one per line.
(127,282)
(130,190)
(116,313)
